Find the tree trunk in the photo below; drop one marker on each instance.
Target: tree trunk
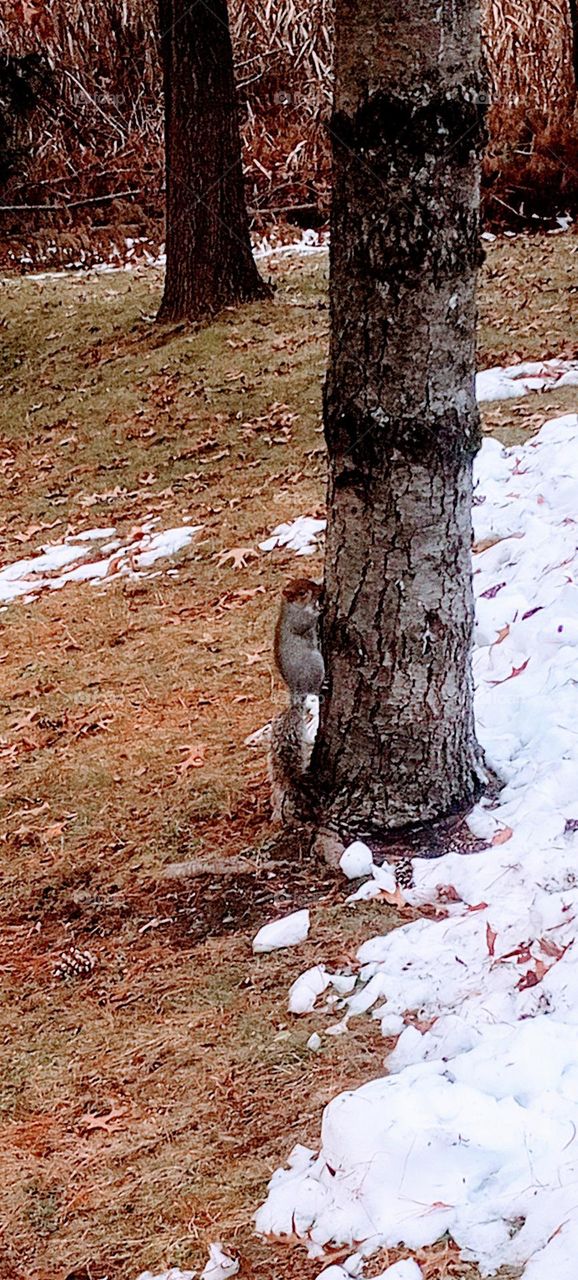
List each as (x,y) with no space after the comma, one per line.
(209,259)
(574,37)
(397,743)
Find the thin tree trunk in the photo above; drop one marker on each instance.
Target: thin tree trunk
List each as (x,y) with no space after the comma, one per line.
(574,28)
(397,743)
(209,260)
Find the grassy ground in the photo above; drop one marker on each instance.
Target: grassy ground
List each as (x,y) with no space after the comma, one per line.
(144,1107)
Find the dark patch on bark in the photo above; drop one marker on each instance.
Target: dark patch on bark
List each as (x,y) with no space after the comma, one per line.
(417,130)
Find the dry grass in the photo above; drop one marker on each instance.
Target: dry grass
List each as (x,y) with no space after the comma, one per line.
(145,1107)
(79,131)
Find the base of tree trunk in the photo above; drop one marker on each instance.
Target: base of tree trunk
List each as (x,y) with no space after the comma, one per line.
(179,305)
(449,834)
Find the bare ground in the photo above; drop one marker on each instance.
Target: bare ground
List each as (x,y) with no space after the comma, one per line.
(145,1106)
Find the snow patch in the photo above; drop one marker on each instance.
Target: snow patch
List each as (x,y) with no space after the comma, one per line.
(64,562)
(306,988)
(220,1266)
(356,861)
(473,1131)
(286,932)
(301,535)
(519,379)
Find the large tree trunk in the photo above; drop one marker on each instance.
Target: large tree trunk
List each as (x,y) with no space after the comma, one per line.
(209,260)
(396,743)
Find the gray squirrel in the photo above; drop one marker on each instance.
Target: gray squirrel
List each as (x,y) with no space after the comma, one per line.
(299,661)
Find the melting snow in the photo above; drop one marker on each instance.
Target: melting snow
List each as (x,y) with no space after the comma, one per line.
(220,1266)
(475,1129)
(286,932)
(66,562)
(300,535)
(519,379)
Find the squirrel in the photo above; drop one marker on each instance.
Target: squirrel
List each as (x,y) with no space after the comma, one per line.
(299,661)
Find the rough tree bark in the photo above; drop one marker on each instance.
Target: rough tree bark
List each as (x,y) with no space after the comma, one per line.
(209,260)
(397,744)
(574,26)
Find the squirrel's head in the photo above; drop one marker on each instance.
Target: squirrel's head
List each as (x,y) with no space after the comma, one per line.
(305,593)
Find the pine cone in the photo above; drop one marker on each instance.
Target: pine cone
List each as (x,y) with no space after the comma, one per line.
(404,873)
(74,964)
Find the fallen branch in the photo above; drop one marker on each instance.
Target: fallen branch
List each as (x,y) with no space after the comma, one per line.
(73,204)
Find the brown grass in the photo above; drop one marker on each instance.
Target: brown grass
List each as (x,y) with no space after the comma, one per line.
(145,1107)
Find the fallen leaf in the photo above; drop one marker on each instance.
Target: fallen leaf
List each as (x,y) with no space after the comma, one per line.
(491,936)
(238,555)
(502,837)
(195,758)
(485,543)
(447,893)
(516,671)
(551,948)
(108,1123)
(53,832)
(395,899)
(502,634)
(257,655)
(423,1024)
(492,592)
(530,979)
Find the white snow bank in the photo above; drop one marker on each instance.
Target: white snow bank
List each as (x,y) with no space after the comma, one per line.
(66,562)
(310,242)
(475,1129)
(126,259)
(220,1266)
(357,860)
(406,1270)
(286,932)
(300,535)
(518,379)
(174,1273)
(306,988)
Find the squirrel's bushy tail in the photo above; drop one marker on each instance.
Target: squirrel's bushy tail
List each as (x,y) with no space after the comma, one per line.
(292,738)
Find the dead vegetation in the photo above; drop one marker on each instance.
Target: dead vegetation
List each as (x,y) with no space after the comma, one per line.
(81,146)
(146,1104)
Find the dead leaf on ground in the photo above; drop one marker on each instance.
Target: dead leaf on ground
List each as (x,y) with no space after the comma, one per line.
(516,671)
(551,948)
(238,555)
(502,837)
(502,634)
(110,1123)
(257,655)
(448,893)
(55,831)
(195,757)
(395,899)
(533,976)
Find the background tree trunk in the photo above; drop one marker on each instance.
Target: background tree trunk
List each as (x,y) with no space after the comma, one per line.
(397,742)
(574,26)
(209,259)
